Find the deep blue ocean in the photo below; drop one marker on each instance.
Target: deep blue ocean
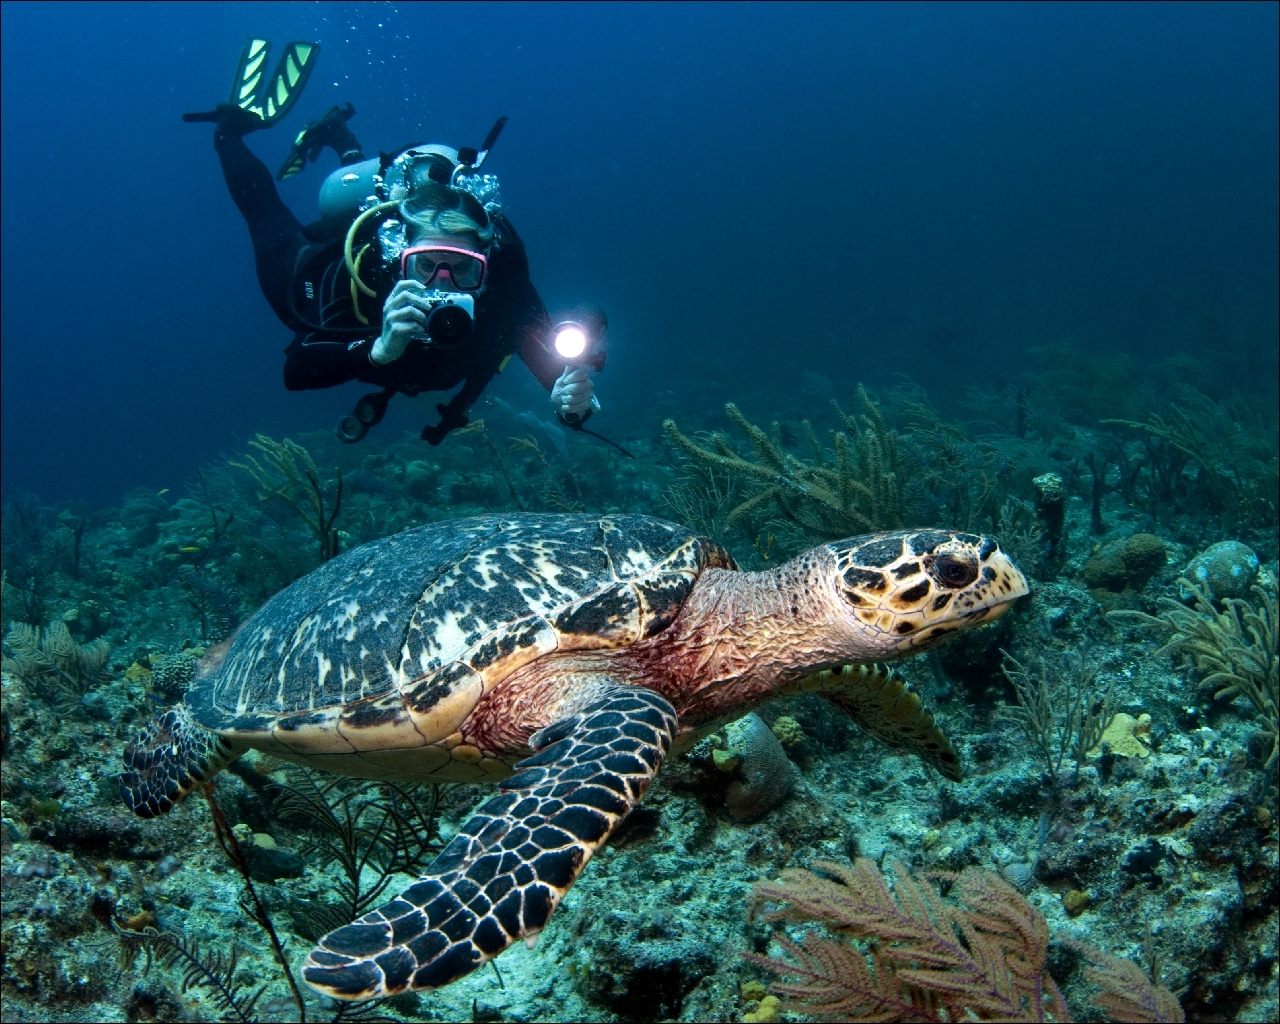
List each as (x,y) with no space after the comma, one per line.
(751,192)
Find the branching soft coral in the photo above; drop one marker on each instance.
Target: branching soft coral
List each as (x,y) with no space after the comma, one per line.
(1128,992)
(1235,648)
(286,471)
(853,488)
(60,670)
(912,955)
(979,955)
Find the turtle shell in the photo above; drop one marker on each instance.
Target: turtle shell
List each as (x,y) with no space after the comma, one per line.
(423,623)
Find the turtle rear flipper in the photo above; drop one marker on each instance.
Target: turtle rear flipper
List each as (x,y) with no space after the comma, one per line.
(880,701)
(507,869)
(173,755)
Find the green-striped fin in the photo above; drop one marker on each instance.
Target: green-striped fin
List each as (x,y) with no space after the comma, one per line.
(272,97)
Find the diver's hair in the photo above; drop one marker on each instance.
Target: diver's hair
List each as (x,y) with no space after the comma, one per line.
(437,211)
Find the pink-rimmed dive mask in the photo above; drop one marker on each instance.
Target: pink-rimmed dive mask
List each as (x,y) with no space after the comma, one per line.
(445,267)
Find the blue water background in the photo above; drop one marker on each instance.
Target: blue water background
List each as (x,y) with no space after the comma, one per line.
(750,191)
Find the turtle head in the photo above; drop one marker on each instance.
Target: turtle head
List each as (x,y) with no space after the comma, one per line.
(906,591)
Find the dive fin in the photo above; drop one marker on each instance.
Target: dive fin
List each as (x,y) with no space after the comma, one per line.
(250,72)
(267,99)
(470,158)
(271,98)
(329,129)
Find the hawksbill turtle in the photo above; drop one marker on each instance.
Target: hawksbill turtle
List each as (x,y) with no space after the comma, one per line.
(563,657)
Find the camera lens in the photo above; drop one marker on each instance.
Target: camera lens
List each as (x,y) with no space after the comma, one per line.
(449,325)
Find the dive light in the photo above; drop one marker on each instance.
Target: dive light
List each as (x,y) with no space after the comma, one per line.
(578,337)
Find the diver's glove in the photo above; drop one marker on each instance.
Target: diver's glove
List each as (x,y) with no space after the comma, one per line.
(230,119)
(404,319)
(573,395)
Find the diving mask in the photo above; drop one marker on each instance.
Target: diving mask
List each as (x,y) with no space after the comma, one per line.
(444,267)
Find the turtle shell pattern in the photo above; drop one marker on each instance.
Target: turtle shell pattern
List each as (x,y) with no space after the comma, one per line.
(412,630)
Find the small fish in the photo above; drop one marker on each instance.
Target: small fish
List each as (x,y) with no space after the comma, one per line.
(161,493)
(189,550)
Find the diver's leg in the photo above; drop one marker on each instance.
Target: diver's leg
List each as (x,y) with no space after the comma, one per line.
(273,229)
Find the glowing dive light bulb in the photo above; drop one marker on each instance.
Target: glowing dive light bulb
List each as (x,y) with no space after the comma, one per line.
(571,341)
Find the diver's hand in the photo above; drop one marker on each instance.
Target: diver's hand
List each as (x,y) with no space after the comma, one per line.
(572,394)
(404,319)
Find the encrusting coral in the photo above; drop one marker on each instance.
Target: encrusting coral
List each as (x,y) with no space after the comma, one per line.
(1225,569)
(766,775)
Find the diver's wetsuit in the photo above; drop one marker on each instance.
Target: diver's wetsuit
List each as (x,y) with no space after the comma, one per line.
(304,278)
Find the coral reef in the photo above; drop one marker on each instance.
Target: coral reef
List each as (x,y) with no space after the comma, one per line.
(285,471)
(1234,650)
(1062,709)
(980,953)
(57,668)
(1120,776)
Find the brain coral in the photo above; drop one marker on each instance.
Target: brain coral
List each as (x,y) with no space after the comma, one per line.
(171,673)
(766,776)
(1126,563)
(1227,569)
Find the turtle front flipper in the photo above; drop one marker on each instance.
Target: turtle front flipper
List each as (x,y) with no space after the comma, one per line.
(882,703)
(503,874)
(172,756)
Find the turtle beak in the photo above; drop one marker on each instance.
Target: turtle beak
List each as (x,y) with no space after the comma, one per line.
(999,586)
(987,615)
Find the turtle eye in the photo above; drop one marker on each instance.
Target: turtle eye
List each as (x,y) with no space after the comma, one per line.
(953,571)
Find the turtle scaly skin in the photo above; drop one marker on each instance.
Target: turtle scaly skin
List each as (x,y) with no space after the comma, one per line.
(596,644)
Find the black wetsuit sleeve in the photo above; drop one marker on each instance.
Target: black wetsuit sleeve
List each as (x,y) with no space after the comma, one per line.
(275,232)
(311,363)
(525,323)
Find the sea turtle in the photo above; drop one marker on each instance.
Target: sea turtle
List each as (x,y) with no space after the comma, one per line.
(596,644)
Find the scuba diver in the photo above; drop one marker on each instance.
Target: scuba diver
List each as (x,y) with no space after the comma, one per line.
(412,280)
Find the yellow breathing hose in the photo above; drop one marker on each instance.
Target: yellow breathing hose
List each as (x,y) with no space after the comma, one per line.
(355,295)
(352,267)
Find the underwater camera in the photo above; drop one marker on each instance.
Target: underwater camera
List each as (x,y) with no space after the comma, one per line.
(578,337)
(451,319)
